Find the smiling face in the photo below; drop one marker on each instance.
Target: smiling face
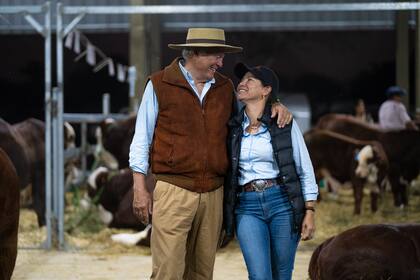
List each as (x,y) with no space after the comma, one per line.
(203,64)
(251,89)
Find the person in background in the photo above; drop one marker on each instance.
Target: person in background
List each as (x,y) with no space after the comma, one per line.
(360,111)
(271,190)
(392,113)
(182,125)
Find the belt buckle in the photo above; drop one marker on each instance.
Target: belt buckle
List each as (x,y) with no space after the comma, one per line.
(259,185)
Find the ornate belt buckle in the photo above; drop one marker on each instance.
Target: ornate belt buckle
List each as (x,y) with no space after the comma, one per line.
(259,185)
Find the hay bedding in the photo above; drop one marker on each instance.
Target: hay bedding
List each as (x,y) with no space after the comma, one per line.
(89,235)
(85,232)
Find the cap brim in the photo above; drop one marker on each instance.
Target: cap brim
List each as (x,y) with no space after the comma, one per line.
(222,47)
(240,70)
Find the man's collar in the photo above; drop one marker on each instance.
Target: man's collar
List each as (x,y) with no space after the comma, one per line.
(188,75)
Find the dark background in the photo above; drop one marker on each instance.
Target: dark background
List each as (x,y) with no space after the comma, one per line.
(332,68)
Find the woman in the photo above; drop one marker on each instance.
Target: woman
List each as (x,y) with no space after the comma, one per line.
(271,189)
(360,111)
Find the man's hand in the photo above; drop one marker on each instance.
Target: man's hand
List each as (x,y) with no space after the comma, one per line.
(308,226)
(142,202)
(284,117)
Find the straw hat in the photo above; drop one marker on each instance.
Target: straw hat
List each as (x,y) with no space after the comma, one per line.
(206,38)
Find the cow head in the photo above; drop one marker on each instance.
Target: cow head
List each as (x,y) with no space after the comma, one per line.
(96,182)
(372,163)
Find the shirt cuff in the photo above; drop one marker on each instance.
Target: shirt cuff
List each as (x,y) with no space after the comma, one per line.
(310,196)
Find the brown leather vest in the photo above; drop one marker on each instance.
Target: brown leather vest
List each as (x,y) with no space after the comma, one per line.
(189,144)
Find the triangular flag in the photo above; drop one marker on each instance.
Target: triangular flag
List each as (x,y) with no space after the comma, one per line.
(69,41)
(90,56)
(121,69)
(111,69)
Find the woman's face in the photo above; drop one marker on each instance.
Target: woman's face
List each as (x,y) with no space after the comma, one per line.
(360,107)
(251,89)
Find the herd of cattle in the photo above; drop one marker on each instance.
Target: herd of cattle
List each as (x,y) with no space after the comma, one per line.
(341,148)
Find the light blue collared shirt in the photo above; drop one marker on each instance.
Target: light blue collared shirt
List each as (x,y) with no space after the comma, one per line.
(256,159)
(146,122)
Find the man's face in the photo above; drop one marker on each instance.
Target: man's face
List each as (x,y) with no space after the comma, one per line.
(205,64)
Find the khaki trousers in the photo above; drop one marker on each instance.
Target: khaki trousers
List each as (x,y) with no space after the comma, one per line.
(185,232)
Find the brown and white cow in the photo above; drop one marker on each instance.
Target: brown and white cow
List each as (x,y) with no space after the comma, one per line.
(401,147)
(113,192)
(9,215)
(116,138)
(24,142)
(25,145)
(369,252)
(347,159)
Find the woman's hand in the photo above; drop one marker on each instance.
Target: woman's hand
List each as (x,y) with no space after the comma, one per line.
(308,225)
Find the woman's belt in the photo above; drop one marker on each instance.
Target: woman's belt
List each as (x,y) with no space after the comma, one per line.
(259,185)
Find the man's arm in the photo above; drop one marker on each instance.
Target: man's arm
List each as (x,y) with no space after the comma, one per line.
(284,116)
(139,153)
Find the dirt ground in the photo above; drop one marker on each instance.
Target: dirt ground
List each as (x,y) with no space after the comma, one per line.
(92,255)
(40,264)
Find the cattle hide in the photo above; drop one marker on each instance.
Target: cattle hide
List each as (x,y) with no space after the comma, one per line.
(337,153)
(24,143)
(117,137)
(9,216)
(401,147)
(114,195)
(369,252)
(28,136)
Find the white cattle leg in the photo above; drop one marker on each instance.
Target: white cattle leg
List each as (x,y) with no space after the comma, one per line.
(131,239)
(105,216)
(329,179)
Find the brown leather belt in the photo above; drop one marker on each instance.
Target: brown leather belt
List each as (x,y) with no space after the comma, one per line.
(259,185)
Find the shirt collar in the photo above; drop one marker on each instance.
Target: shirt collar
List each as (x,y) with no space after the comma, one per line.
(187,74)
(245,124)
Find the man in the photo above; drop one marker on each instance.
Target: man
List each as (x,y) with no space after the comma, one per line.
(392,113)
(182,120)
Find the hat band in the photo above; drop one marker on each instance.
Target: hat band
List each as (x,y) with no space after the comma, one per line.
(215,41)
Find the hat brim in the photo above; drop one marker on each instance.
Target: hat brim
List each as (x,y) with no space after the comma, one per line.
(222,47)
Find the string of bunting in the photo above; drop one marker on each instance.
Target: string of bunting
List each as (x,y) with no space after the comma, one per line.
(75,39)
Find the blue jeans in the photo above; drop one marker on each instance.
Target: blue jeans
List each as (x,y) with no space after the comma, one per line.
(264,230)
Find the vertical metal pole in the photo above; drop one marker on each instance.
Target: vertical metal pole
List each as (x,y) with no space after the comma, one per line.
(54,221)
(83,128)
(60,85)
(60,169)
(47,100)
(106,104)
(417,62)
(402,54)
(132,100)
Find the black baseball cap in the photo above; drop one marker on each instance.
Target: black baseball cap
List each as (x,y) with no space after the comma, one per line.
(262,73)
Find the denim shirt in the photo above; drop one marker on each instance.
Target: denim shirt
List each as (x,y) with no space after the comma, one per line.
(256,159)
